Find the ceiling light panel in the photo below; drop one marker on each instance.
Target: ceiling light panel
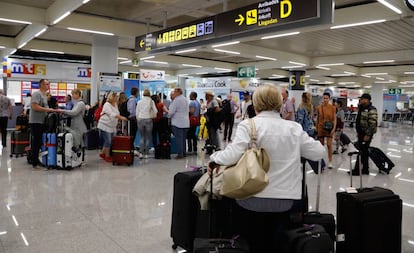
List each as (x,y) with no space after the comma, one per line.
(157,62)
(226,44)
(390,6)
(226,51)
(15,21)
(89,31)
(266,58)
(381,61)
(61,18)
(279,35)
(192,66)
(331,64)
(186,51)
(359,24)
(47,51)
(297,63)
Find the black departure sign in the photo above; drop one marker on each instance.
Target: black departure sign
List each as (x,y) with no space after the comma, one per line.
(266,14)
(264,17)
(198,30)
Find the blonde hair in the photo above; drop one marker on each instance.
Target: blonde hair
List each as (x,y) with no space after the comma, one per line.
(112,97)
(77,91)
(306,102)
(146,93)
(267,98)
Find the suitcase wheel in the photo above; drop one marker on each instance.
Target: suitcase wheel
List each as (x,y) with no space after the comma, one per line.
(113,163)
(174,246)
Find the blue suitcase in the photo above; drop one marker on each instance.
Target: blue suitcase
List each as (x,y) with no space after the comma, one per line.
(49,145)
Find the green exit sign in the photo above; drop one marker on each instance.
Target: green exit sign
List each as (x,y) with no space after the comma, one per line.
(395,91)
(246,72)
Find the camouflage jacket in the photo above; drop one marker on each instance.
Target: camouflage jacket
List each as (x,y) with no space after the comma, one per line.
(366,121)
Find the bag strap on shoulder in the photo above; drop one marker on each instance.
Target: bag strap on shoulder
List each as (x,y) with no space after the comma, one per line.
(253,134)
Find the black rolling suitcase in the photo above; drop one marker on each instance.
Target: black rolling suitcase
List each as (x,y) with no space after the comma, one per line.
(92,139)
(381,160)
(185,210)
(368,219)
(344,139)
(19,141)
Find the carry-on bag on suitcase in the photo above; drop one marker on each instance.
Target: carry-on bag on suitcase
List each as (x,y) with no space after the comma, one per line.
(308,239)
(368,219)
(22,123)
(236,244)
(122,149)
(18,142)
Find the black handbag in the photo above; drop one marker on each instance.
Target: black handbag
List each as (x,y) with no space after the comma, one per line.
(328,126)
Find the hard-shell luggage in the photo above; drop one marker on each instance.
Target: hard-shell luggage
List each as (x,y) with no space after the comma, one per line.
(123,148)
(92,139)
(67,157)
(381,160)
(368,219)
(344,139)
(163,151)
(18,142)
(308,239)
(49,160)
(185,210)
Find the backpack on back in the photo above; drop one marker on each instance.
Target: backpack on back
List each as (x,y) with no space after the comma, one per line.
(123,109)
(226,106)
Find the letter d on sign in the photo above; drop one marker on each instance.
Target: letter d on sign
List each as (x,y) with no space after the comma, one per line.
(285,8)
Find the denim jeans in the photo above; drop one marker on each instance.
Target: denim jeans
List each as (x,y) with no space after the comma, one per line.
(180,137)
(145,132)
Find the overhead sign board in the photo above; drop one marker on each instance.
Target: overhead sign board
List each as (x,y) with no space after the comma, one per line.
(261,18)
(266,14)
(246,72)
(198,30)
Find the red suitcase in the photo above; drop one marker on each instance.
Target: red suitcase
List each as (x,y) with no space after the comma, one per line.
(122,150)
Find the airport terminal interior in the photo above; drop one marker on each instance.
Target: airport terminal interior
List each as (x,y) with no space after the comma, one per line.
(105,208)
(344,47)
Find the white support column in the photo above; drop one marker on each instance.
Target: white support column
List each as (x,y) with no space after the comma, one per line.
(104,59)
(377,96)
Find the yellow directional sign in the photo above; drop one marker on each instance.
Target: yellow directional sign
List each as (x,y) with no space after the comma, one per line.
(251,17)
(240,20)
(159,40)
(141,43)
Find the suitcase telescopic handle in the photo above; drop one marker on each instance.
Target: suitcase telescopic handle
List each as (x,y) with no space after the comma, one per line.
(359,160)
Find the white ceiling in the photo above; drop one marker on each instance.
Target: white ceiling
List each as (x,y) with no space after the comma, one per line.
(390,40)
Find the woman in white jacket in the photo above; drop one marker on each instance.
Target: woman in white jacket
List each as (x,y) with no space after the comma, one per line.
(145,108)
(285,143)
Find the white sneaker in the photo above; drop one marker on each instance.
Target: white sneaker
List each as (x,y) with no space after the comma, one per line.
(145,156)
(330,166)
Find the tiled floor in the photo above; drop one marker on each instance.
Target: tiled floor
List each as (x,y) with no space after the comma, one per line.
(104,208)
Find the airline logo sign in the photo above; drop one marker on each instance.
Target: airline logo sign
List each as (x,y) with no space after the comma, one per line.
(152,75)
(175,36)
(266,13)
(27,68)
(85,72)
